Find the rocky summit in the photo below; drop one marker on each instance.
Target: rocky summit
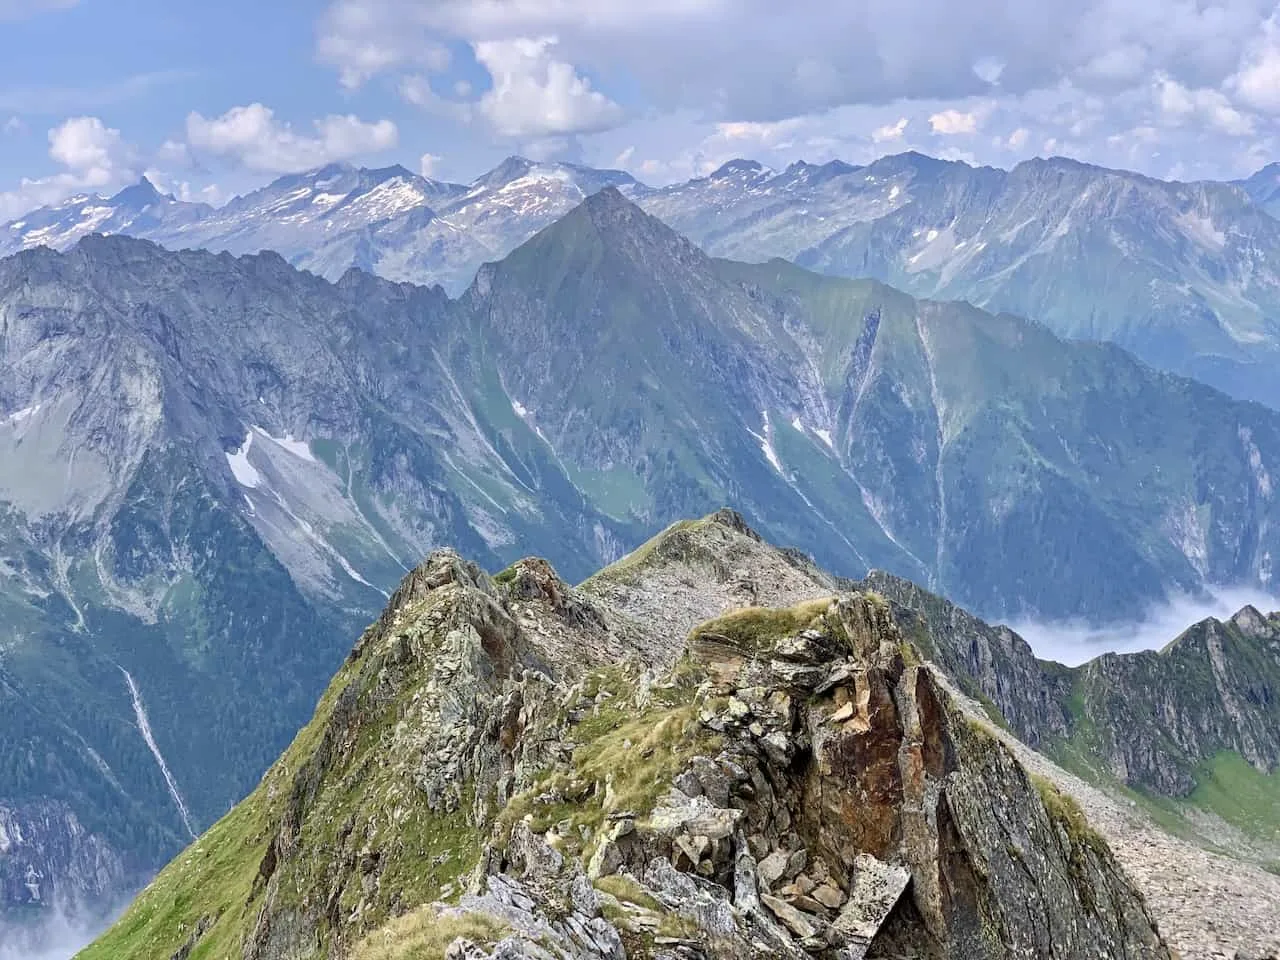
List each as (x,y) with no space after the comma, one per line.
(509,766)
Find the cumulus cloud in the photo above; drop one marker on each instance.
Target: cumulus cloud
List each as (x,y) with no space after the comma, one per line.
(1257,82)
(536,95)
(1074,643)
(361,41)
(782,60)
(86,145)
(428,164)
(890,131)
(1178,105)
(251,135)
(751,61)
(92,155)
(951,123)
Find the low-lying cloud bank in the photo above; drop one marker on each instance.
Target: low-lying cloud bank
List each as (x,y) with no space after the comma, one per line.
(1074,642)
(53,935)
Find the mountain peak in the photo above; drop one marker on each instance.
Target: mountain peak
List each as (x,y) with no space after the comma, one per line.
(609,198)
(739,167)
(512,168)
(139,195)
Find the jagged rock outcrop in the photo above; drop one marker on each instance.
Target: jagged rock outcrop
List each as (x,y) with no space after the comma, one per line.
(504,768)
(1155,717)
(993,663)
(1151,720)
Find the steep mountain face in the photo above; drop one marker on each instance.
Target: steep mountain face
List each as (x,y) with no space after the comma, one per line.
(862,424)
(1208,904)
(389,221)
(795,784)
(211,469)
(1184,275)
(139,210)
(180,563)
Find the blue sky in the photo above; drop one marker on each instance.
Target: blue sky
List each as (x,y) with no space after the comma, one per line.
(210,99)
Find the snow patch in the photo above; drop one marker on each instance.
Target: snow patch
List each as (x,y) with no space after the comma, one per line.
(931,236)
(825,437)
(766,443)
(893,192)
(520,409)
(25,413)
(298,448)
(246,473)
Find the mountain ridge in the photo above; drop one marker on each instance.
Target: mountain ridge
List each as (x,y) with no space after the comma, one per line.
(448,619)
(528,625)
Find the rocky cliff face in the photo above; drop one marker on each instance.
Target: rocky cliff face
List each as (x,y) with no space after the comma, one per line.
(1160,721)
(512,767)
(58,880)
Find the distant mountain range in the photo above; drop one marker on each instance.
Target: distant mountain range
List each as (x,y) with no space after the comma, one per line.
(1186,276)
(389,221)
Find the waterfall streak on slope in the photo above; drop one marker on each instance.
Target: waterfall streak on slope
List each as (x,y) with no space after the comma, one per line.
(144,727)
(938,412)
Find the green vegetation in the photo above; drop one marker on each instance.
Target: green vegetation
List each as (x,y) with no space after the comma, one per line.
(624,888)
(425,934)
(1231,787)
(343,793)
(664,544)
(1064,811)
(754,628)
(625,758)
(215,880)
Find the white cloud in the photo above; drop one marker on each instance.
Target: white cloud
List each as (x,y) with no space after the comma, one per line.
(1257,82)
(1178,105)
(210,193)
(951,123)
(356,38)
(535,95)
(252,136)
(779,134)
(1073,643)
(890,131)
(85,144)
(13,126)
(1018,139)
(417,90)
(428,164)
(93,157)
(726,61)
